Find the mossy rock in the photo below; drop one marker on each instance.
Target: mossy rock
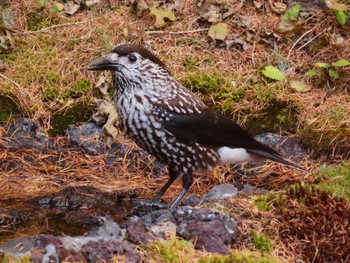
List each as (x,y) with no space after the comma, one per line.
(79,112)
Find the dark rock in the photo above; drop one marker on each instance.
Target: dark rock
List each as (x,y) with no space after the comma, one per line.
(73,198)
(137,231)
(105,251)
(214,232)
(289,148)
(86,136)
(221,191)
(24,133)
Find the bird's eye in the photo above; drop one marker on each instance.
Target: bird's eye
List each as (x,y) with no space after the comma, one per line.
(132,58)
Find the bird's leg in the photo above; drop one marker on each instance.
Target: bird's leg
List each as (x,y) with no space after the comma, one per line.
(172,177)
(187,181)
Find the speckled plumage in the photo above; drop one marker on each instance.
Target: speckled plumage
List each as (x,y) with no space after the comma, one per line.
(170,122)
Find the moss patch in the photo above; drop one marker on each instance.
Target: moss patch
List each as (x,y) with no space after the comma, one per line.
(172,250)
(261,242)
(8,109)
(79,112)
(336,180)
(241,257)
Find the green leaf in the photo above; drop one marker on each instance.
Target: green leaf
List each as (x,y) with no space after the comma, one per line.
(57,7)
(292,13)
(333,73)
(310,73)
(42,3)
(273,73)
(218,31)
(341,17)
(322,65)
(299,85)
(161,15)
(341,63)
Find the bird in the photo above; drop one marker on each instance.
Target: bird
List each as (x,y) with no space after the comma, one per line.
(171,123)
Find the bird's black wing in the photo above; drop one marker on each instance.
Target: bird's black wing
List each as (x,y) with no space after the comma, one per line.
(212,129)
(215,130)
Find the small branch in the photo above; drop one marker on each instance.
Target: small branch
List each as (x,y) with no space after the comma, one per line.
(56,26)
(312,39)
(176,33)
(300,38)
(10,80)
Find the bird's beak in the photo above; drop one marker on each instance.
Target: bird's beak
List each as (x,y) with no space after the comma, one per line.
(108,62)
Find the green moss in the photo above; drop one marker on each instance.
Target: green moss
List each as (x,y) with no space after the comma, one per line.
(261,242)
(78,112)
(77,90)
(8,109)
(50,93)
(335,180)
(214,86)
(38,20)
(191,62)
(264,202)
(240,257)
(276,115)
(8,58)
(172,250)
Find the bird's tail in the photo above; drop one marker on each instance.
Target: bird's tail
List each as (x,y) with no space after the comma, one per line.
(276,158)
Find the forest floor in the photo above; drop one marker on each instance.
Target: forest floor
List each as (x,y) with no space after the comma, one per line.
(305,97)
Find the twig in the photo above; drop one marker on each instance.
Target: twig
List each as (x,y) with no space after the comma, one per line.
(55,26)
(10,80)
(312,39)
(300,38)
(176,33)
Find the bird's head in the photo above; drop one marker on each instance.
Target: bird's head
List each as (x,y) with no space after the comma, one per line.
(129,61)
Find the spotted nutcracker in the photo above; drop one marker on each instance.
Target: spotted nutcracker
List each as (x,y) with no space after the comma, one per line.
(171,123)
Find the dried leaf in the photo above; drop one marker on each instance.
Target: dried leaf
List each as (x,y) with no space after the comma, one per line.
(299,85)
(277,7)
(218,31)
(288,28)
(71,7)
(334,5)
(258,3)
(161,15)
(273,73)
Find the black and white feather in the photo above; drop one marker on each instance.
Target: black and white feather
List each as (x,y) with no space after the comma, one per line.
(170,122)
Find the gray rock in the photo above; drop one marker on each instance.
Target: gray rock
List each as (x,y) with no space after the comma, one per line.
(221,191)
(138,232)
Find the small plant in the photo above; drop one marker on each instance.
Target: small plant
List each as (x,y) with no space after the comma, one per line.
(339,10)
(261,242)
(53,9)
(330,69)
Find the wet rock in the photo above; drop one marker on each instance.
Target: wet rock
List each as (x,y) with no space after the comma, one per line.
(18,247)
(212,231)
(73,198)
(192,200)
(86,136)
(289,148)
(103,228)
(25,133)
(221,191)
(48,248)
(105,251)
(137,231)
